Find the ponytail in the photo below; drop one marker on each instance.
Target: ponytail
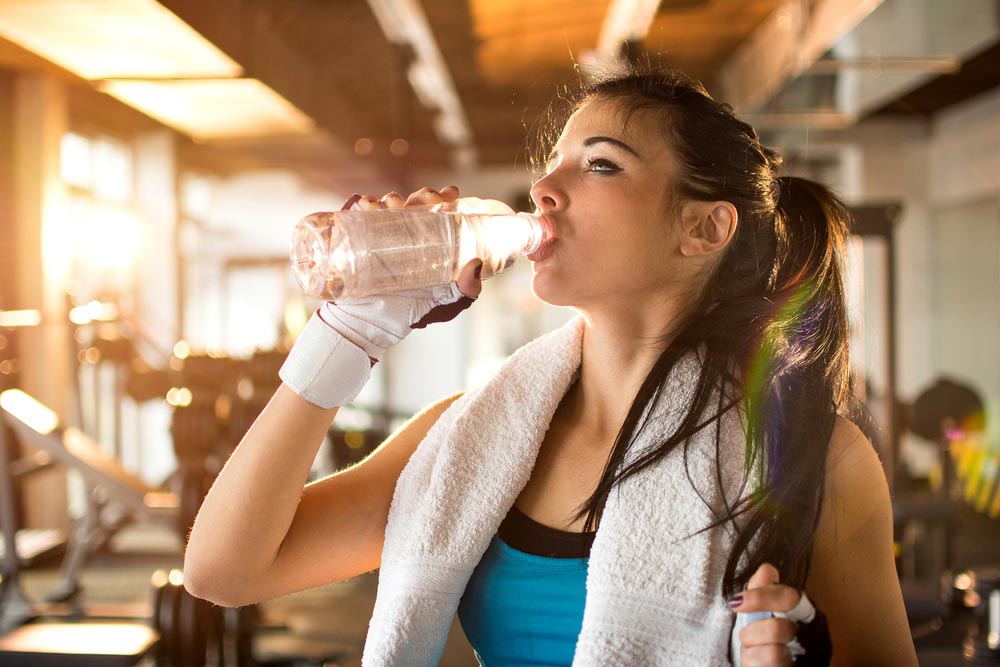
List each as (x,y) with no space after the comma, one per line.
(795,384)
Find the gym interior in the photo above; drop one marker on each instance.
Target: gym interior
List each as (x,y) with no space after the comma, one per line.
(155,156)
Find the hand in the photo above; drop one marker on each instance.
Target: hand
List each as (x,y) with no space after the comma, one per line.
(764,642)
(332,358)
(377,322)
(468,279)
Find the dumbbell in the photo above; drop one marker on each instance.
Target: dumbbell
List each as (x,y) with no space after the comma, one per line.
(195,633)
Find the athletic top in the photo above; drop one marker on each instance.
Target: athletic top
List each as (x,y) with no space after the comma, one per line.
(523,605)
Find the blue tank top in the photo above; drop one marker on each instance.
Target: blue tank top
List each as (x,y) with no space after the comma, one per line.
(524,609)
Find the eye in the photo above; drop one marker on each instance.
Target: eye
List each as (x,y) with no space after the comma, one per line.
(602,166)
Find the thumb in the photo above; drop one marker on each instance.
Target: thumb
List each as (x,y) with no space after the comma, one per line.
(469,278)
(766,575)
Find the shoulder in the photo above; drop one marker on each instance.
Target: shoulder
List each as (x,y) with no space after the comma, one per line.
(856,489)
(852,576)
(852,464)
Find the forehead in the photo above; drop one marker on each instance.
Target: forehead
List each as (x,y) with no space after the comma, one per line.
(641,129)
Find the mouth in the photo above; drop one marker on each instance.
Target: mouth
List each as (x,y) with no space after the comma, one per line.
(548,240)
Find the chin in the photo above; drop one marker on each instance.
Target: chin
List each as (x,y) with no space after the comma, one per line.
(551,291)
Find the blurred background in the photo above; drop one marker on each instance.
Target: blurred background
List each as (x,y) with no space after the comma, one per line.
(155,156)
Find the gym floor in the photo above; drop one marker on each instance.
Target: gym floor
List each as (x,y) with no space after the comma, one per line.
(331,621)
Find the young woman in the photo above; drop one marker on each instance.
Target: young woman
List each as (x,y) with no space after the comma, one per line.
(630,489)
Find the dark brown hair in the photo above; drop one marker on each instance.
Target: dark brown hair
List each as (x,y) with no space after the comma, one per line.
(770,324)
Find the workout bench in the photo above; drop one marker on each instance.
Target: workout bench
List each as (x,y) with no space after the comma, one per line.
(38,427)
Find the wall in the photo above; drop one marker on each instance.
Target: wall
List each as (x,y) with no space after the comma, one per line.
(947,175)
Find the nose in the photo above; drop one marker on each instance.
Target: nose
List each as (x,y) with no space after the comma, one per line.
(547,195)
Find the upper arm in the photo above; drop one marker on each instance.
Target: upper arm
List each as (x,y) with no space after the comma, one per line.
(339,526)
(853,577)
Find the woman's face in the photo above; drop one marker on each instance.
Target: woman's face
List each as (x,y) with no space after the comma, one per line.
(605,196)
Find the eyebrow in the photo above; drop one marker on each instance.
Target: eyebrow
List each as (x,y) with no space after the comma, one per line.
(590,141)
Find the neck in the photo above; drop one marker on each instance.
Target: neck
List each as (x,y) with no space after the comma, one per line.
(619,349)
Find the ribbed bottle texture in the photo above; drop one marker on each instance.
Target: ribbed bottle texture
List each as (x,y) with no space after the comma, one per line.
(350,254)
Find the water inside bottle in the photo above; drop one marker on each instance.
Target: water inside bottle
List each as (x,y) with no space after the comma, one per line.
(350,254)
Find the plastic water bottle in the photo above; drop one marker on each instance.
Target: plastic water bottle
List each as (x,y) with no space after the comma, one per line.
(349,254)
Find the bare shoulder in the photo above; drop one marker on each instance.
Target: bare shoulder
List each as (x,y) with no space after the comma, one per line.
(852,577)
(850,447)
(857,491)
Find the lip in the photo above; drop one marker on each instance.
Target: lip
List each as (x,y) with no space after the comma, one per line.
(548,240)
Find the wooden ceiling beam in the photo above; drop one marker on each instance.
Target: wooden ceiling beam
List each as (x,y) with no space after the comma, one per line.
(626,21)
(404,23)
(310,53)
(785,45)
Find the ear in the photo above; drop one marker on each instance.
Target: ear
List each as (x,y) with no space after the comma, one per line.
(706,227)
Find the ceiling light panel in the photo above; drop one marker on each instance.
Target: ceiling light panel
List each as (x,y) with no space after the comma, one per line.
(205,109)
(100,39)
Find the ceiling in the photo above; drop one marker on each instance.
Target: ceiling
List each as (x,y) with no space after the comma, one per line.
(506,58)
(347,65)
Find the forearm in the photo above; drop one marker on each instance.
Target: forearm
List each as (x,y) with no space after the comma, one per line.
(246,515)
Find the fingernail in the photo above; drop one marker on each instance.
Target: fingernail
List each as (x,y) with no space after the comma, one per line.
(479,271)
(735,601)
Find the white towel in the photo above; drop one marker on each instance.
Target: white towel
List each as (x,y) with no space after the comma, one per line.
(653,583)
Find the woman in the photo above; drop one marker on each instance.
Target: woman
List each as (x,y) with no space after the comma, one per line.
(686,425)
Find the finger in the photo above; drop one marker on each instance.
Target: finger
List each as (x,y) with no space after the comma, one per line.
(775,597)
(449,193)
(350,203)
(392,200)
(369,203)
(767,631)
(469,278)
(765,575)
(772,655)
(424,197)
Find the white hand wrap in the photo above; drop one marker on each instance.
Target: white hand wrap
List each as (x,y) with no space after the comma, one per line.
(324,367)
(376,323)
(332,358)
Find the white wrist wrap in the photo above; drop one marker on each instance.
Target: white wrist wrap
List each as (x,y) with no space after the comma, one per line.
(323,367)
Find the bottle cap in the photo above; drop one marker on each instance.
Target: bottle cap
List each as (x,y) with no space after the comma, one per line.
(537,232)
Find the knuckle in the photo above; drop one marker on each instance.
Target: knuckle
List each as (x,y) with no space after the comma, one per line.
(767,631)
(422,193)
(367,202)
(779,630)
(752,600)
(790,598)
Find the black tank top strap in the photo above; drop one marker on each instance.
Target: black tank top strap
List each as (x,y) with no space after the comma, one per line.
(523,533)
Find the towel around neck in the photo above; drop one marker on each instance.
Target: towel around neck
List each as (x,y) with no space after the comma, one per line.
(654,594)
